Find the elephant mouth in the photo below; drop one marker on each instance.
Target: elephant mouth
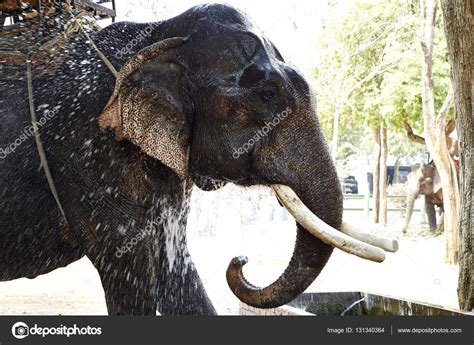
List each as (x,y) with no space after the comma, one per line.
(207,183)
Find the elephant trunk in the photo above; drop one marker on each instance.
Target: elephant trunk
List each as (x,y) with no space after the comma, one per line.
(322,195)
(309,258)
(412,195)
(311,192)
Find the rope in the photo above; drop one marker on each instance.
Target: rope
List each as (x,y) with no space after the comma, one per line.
(39,144)
(34,119)
(84,32)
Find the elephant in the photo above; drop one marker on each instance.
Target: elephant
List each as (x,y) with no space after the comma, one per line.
(424,179)
(201,99)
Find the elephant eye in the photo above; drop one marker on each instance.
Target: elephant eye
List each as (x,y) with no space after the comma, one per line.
(267,96)
(251,76)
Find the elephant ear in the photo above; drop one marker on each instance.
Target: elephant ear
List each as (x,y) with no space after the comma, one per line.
(148,107)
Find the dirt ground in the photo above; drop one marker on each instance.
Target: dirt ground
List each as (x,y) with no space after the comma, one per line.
(415,272)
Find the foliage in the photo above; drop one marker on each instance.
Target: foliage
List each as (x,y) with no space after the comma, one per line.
(369,66)
(401,87)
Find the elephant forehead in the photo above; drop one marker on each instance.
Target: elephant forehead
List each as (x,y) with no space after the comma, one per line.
(218,48)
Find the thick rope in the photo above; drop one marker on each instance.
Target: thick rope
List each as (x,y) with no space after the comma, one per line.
(39,144)
(34,119)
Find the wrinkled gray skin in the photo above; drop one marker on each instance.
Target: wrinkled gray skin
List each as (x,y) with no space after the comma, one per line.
(217,90)
(421,181)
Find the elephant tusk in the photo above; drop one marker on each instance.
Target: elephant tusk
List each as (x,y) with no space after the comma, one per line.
(323,231)
(388,244)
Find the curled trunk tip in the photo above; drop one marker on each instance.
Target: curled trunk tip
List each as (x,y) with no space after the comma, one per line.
(309,258)
(238,261)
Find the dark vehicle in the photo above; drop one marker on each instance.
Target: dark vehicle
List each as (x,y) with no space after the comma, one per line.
(349,185)
(403,171)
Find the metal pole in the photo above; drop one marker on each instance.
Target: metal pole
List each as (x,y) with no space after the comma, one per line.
(113,6)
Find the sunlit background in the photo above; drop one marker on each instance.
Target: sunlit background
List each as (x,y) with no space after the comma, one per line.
(313,36)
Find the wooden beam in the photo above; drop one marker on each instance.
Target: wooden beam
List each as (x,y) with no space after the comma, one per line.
(97,7)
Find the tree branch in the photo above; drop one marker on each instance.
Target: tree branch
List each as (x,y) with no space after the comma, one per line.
(428,22)
(443,111)
(412,136)
(384,29)
(450,126)
(380,69)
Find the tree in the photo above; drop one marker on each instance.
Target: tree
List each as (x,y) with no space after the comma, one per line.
(368,79)
(380,175)
(434,129)
(354,43)
(383,175)
(459,26)
(360,44)
(376,173)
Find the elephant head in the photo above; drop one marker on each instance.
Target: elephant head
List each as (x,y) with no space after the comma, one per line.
(216,102)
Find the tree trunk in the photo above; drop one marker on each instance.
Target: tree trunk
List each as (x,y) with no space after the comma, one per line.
(383,176)
(335,131)
(450,205)
(459,26)
(376,179)
(396,171)
(435,137)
